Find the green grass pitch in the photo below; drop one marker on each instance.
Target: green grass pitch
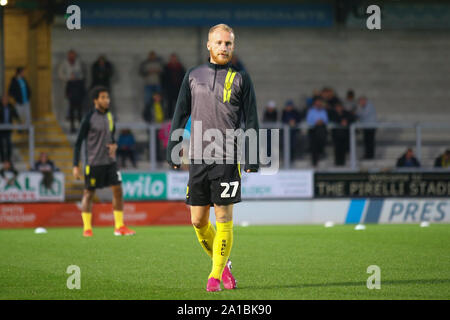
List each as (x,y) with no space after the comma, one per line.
(269,262)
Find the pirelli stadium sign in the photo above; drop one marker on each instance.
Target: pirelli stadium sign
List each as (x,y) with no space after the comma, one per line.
(369,185)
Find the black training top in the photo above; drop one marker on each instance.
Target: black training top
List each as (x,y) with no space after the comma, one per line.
(98,129)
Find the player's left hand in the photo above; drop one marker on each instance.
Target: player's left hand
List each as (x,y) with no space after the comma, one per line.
(112,150)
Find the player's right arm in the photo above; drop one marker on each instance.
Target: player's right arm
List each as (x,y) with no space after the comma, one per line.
(82,134)
(180,118)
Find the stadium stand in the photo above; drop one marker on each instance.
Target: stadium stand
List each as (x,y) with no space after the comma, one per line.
(402,73)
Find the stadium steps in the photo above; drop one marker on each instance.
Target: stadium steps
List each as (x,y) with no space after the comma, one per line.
(50,138)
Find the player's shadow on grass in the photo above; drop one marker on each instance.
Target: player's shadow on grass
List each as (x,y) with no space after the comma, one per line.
(351,284)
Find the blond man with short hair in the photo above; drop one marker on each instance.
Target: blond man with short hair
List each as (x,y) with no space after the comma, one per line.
(215,95)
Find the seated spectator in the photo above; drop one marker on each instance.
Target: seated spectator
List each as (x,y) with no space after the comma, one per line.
(310,100)
(271,113)
(126,147)
(9,173)
(44,163)
(46,167)
(153,111)
(7,114)
(344,118)
(20,91)
(366,114)
(72,73)
(443,161)
(270,116)
(292,118)
(408,160)
(317,119)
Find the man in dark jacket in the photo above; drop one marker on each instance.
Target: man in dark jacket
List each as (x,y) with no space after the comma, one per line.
(20,91)
(408,160)
(344,118)
(7,114)
(443,161)
(102,72)
(292,117)
(46,167)
(214,96)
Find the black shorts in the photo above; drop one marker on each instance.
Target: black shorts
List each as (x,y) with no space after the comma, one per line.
(102,176)
(211,184)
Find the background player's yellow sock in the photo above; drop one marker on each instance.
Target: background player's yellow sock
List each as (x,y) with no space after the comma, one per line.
(87,218)
(118,219)
(221,248)
(205,236)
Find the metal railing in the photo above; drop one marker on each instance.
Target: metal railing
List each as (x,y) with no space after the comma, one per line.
(285,129)
(30,130)
(354,165)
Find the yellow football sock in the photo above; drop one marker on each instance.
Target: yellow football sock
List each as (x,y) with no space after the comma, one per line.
(118,219)
(221,248)
(205,236)
(87,218)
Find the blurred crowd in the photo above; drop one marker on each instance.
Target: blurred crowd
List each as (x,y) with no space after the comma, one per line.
(326,116)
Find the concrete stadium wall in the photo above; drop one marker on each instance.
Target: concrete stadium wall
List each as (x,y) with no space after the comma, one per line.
(405,73)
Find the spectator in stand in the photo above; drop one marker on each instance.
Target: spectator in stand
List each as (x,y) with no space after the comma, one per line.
(270,116)
(151,70)
(366,114)
(443,161)
(344,118)
(408,160)
(173,76)
(9,173)
(44,164)
(330,98)
(292,117)
(163,139)
(317,119)
(46,167)
(237,63)
(102,73)
(20,91)
(126,147)
(154,112)
(350,104)
(271,113)
(72,73)
(7,114)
